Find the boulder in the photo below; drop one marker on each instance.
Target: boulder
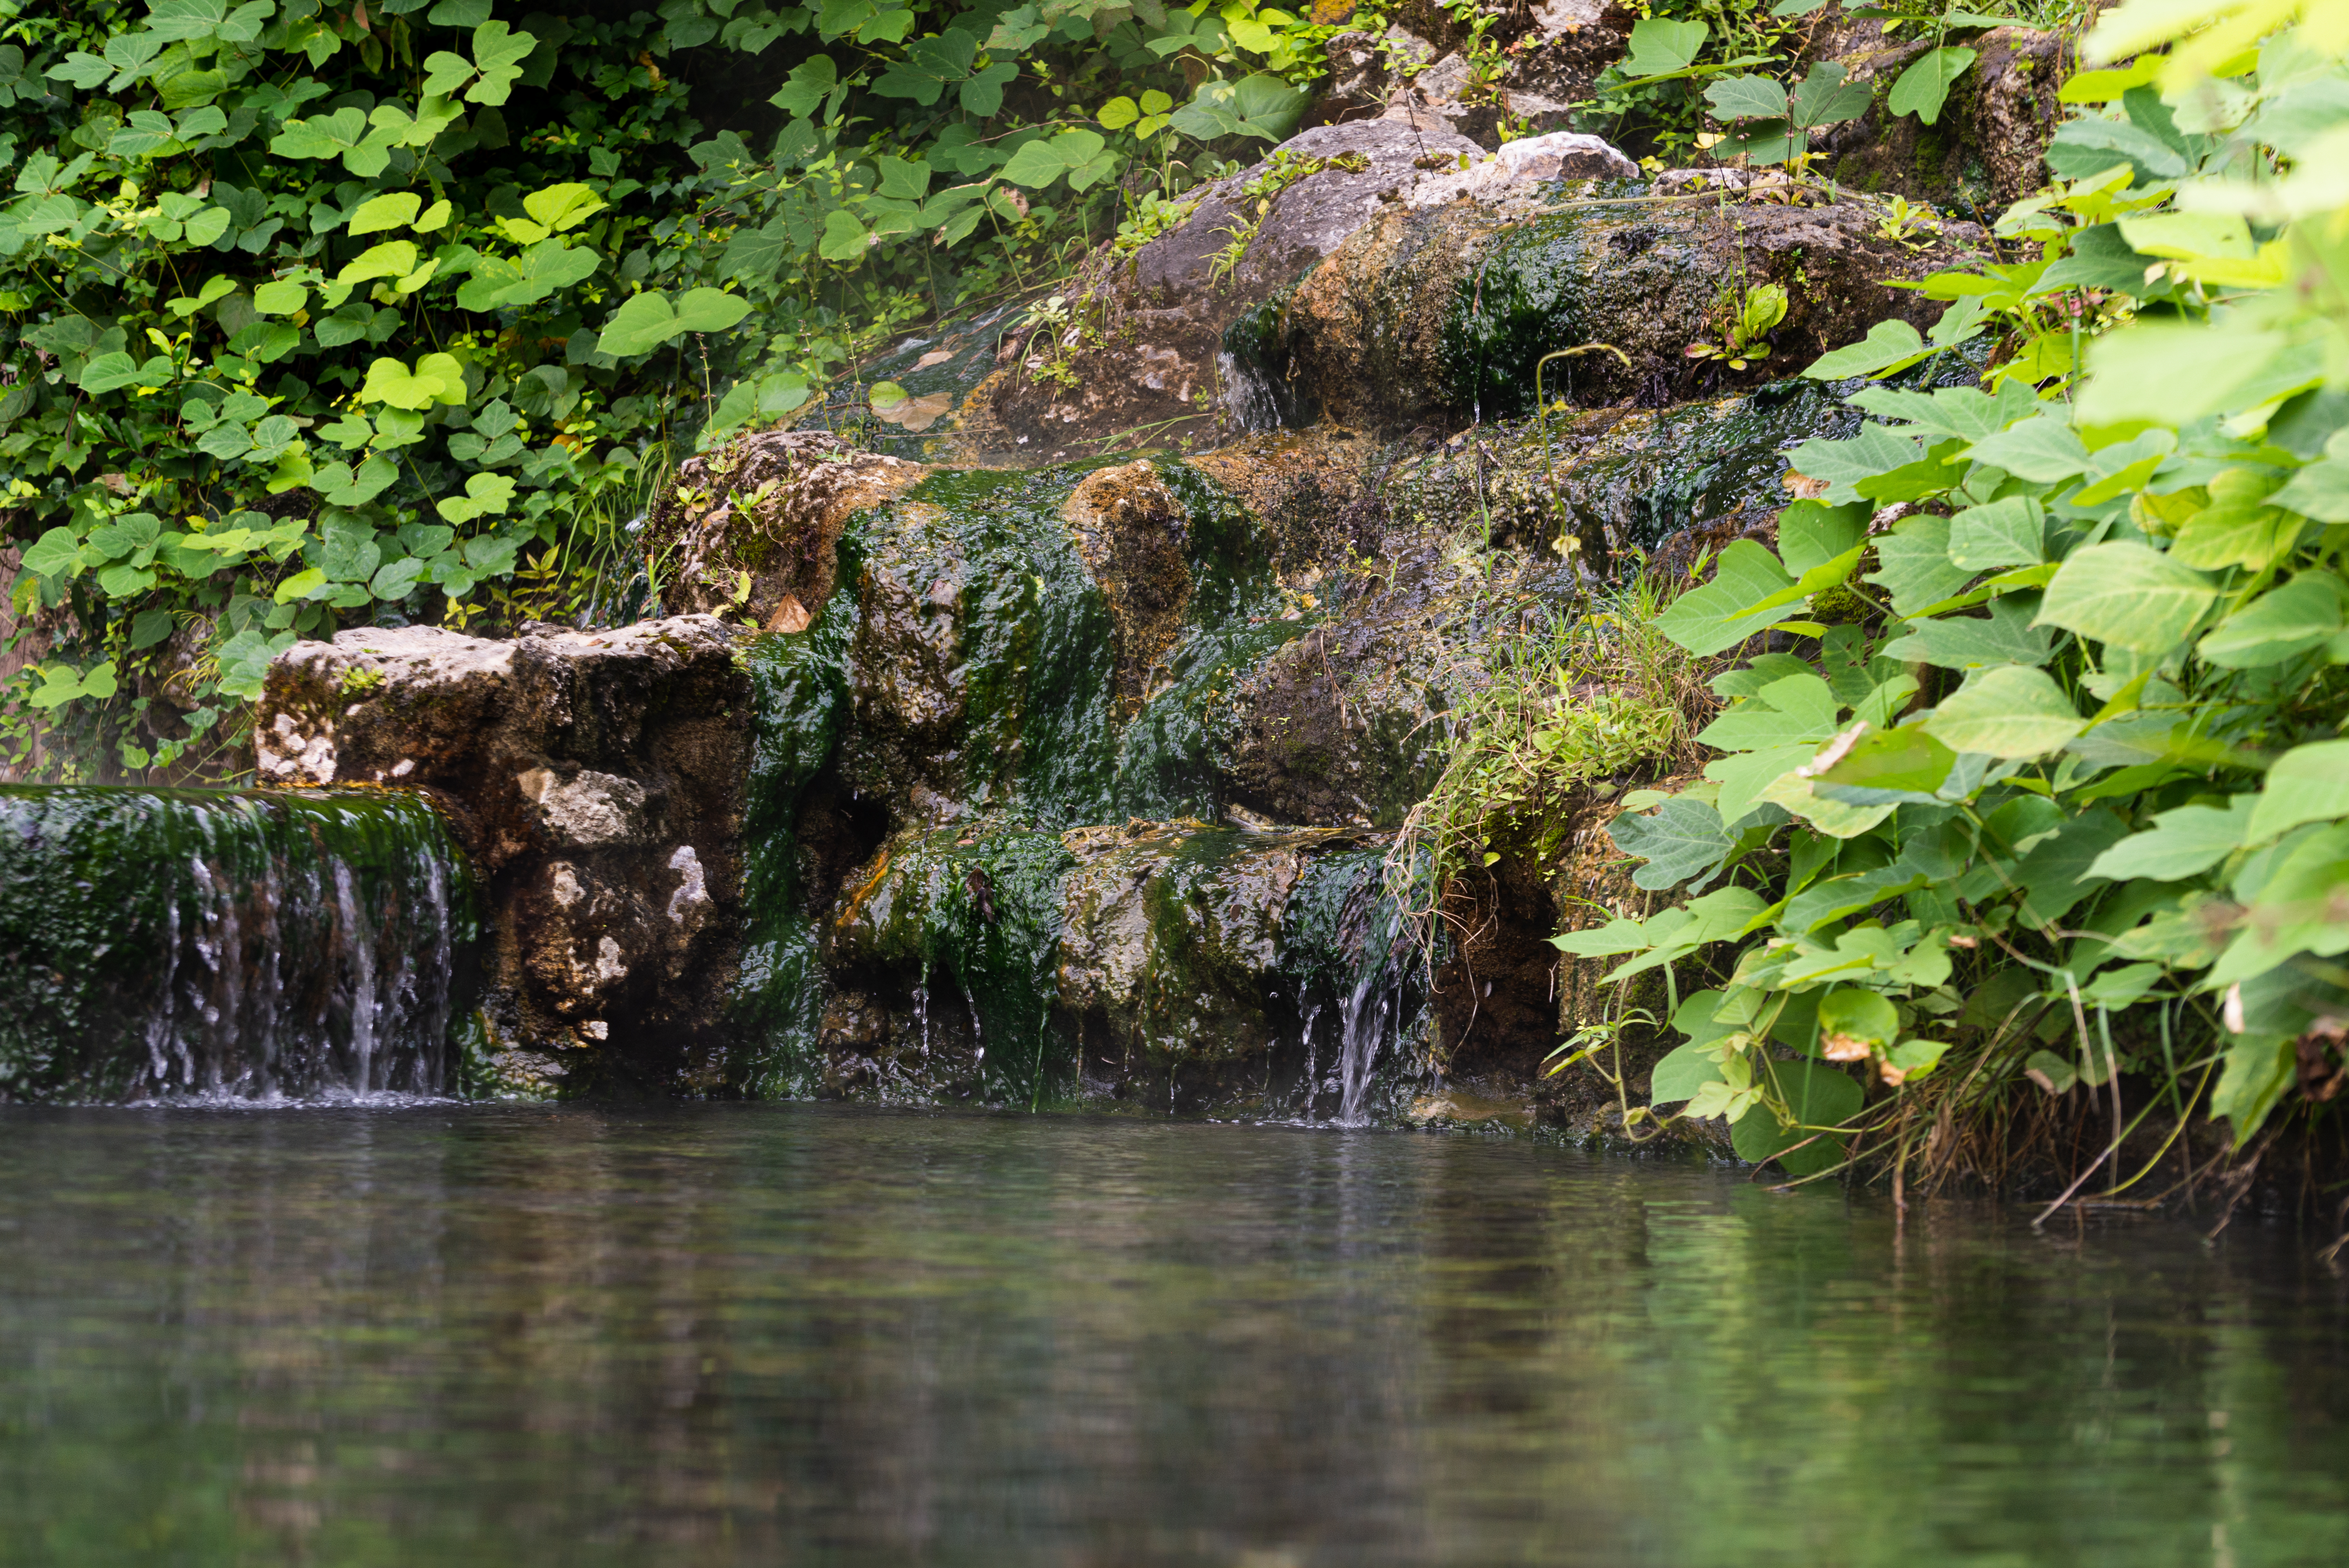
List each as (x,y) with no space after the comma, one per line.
(596,779)
(1157,344)
(1436,317)
(752,529)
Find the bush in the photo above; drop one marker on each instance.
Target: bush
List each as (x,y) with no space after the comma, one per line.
(2073,803)
(319,313)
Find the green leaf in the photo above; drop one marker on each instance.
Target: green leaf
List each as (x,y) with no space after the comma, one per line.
(2004,533)
(1825,97)
(2126,594)
(1924,87)
(811,81)
(397,580)
(1812,535)
(2042,450)
(1660,46)
(2059,871)
(2307,784)
(1746,98)
(2298,617)
(2184,841)
(395,211)
(1682,838)
(1818,1095)
(1797,710)
(109,371)
(1682,1072)
(1906,762)
(486,494)
(2009,711)
(1889,346)
(445,72)
(646,321)
(280,299)
(1915,566)
(1972,642)
(1875,450)
(2260,1068)
(1707,620)
(1865,1016)
(307,584)
(2320,491)
(499,52)
(1039,163)
(537,272)
(437,378)
(844,239)
(342,487)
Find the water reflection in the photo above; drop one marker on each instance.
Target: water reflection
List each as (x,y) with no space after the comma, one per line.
(775,1334)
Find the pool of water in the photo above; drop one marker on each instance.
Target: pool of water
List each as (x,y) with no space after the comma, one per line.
(775,1334)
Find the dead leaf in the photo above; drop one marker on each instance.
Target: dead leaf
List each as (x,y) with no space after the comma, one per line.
(1843,1047)
(917,413)
(1803,487)
(935,357)
(789,615)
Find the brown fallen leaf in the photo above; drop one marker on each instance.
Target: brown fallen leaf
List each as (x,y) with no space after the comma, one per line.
(789,615)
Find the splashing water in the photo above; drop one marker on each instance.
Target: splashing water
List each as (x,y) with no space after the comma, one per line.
(218,945)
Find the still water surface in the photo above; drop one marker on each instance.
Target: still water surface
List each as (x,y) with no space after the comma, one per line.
(464,1335)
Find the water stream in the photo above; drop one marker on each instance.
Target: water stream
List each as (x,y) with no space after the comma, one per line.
(228,945)
(756,1335)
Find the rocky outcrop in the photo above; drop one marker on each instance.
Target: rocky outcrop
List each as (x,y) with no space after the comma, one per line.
(1163,342)
(596,779)
(752,529)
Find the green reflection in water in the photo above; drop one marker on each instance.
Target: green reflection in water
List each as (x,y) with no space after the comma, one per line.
(768,1335)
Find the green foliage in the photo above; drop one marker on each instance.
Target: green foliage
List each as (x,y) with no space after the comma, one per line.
(314,314)
(2070,800)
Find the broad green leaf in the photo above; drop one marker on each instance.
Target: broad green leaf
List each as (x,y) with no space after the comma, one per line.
(2007,532)
(2127,595)
(844,239)
(2059,871)
(1707,620)
(2298,617)
(1924,87)
(395,211)
(811,81)
(1875,450)
(2307,784)
(2235,534)
(1798,709)
(437,378)
(1825,97)
(498,284)
(1683,1071)
(499,51)
(396,579)
(394,258)
(646,321)
(308,583)
(2320,491)
(1864,1017)
(280,299)
(1660,46)
(1888,345)
(2260,1068)
(109,371)
(486,494)
(1811,535)
(1972,642)
(2044,450)
(1746,98)
(1914,564)
(1818,1095)
(1905,761)
(2184,841)
(2009,711)
(1682,838)
(2297,910)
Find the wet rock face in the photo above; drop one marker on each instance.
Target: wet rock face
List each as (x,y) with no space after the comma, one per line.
(595,777)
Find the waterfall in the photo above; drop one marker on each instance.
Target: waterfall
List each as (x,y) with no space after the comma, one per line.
(229,946)
(1248,393)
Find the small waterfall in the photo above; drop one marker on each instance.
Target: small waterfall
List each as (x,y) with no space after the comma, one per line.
(1248,393)
(228,946)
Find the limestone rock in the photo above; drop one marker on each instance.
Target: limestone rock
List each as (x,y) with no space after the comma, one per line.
(595,777)
(771,504)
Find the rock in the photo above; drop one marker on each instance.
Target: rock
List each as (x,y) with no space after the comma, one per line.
(771,503)
(1153,346)
(595,777)
(1436,318)
(1984,147)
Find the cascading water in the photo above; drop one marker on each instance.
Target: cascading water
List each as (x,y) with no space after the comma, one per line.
(229,945)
